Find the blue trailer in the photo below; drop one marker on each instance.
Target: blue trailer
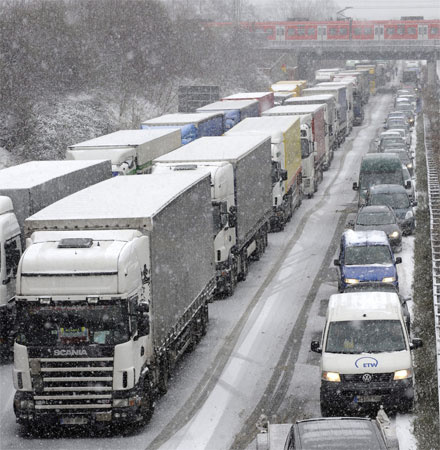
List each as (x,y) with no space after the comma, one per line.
(192,125)
(233,111)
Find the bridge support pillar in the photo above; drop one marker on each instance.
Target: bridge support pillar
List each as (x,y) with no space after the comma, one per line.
(431,72)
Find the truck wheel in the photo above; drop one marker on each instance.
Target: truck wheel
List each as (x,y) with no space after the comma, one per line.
(232,282)
(147,403)
(164,377)
(265,239)
(244,266)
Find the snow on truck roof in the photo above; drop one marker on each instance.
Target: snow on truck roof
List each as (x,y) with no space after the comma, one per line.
(33,173)
(272,125)
(310,98)
(181,118)
(292,110)
(215,148)
(364,306)
(132,198)
(228,104)
(248,95)
(127,138)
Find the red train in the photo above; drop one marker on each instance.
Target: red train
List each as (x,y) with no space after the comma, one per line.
(342,30)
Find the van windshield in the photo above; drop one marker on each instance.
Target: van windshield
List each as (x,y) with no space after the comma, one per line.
(396,200)
(360,255)
(365,336)
(368,179)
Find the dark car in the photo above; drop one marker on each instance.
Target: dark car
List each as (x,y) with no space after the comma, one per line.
(402,153)
(366,256)
(396,197)
(382,287)
(380,217)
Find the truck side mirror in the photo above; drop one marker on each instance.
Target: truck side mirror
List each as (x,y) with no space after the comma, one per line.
(355,186)
(314,346)
(143,319)
(398,260)
(232,216)
(416,343)
(283,174)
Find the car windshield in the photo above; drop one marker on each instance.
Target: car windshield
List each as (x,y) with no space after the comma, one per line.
(375,218)
(391,140)
(74,324)
(360,255)
(365,336)
(397,200)
(368,179)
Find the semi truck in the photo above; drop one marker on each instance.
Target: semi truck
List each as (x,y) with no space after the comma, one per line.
(340,94)
(286,162)
(192,125)
(112,290)
(130,151)
(241,193)
(331,118)
(326,74)
(294,86)
(317,128)
(371,75)
(233,111)
(265,99)
(24,190)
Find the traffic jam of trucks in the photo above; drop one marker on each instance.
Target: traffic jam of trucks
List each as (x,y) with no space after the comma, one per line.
(131,238)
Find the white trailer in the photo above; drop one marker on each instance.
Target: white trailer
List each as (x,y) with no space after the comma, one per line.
(241,194)
(113,288)
(130,151)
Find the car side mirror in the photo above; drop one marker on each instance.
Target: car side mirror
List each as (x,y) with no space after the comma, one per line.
(355,186)
(398,260)
(416,343)
(336,262)
(232,216)
(314,346)
(408,184)
(283,174)
(350,224)
(414,203)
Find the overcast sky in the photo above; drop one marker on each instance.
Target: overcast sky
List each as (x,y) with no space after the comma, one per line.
(383,9)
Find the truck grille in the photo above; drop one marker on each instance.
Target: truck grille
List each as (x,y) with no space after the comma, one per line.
(73,384)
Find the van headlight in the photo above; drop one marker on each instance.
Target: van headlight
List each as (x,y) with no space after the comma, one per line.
(402,374)
(388,279)
(331,376)
(351,280)
(408,215)
(394,235)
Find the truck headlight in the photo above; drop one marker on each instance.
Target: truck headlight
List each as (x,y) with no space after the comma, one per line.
(394,235)
(120,402)
(402,374)
(408,215)
(351,280)
(27,404)
(388,279)
(331,376)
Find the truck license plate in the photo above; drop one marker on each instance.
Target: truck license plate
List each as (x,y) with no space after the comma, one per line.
(368,399)
(80,420)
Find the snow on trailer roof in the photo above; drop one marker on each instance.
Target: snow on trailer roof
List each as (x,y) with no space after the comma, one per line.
(364,306)
(365,237)
(292,110)
(247,95)
(272,125)
(318,97)
(136,199)
(33,173)
(126,138)
(214,148)
(228,104)
(181,118)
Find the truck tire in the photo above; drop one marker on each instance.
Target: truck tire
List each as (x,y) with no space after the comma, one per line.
(265,239)
(164,377)
(147,403)
(232,282)
(244,266)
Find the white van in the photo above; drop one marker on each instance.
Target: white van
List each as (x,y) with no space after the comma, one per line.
(366,354)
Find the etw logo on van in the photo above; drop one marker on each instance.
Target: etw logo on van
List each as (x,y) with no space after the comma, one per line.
(366,362)
(70,352)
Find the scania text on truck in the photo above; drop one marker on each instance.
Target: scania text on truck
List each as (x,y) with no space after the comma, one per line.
(130,151)
(192,125)
(24,190)
(112,289)
(286,162)
(241,195)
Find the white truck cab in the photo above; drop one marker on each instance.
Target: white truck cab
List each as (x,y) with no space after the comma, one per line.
(366,354)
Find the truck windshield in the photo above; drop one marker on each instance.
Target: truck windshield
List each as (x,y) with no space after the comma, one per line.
(73,324)
(359,255)
(365,336)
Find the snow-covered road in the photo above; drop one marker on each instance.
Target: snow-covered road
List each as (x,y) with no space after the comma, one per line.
(255,357)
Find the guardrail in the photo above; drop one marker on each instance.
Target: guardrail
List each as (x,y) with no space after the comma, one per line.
(434,209)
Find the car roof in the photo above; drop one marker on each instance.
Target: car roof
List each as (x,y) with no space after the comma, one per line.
(370,286)
(370,237)
(375,209)
(387,188)
(364,306)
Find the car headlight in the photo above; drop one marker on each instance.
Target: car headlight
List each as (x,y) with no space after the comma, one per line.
(388,279)
(409,165)
(394,235)
(408,215)
(120,402)
(351,280)
(331,376)
(402,374)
